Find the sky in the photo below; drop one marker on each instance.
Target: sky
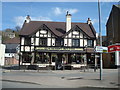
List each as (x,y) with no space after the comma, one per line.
(14,13)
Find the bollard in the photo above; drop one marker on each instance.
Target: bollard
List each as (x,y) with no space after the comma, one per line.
(95,69)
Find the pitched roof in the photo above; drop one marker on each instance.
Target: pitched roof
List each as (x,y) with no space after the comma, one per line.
(58,28)
(114,8)
(14,40)
(117,5)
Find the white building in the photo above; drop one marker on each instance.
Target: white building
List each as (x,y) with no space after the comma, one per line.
(2,53)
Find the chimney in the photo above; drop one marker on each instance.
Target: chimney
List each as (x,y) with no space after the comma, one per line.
(88,21)
(28,19)
(68,22)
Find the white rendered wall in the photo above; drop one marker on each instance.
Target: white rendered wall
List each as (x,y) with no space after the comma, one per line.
(81,42)
(37,34)
(49,34)
(32,48)
(94,42)
(85,42)
(81,35)
(32,41)
(53,41)
(22,40)
(22,48)
(37,41)
(2,54)
(69,42)
(65,42)
(8,55)
(49,42)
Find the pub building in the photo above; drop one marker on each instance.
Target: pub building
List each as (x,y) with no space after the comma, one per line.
(47,43)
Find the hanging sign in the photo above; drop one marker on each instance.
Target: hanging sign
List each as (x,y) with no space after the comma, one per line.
(113,48)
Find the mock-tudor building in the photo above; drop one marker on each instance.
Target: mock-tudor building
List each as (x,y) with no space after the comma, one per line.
(45,43)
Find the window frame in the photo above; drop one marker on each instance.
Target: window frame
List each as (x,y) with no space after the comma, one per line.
(90,43)
(41,40)
(75,42)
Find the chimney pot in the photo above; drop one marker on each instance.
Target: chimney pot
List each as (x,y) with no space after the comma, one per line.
(28,19)
(88,21)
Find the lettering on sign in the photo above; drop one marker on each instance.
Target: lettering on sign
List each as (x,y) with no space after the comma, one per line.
(57,48)
(113,48)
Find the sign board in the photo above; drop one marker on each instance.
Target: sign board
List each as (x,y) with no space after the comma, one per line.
(98,49)
(58,48)
(113,48)
(101,49)
(105,49)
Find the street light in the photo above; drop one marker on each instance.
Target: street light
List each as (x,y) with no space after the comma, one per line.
(100,36)
(86,56)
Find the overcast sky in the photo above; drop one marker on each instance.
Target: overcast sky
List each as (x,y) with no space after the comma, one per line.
(14,13)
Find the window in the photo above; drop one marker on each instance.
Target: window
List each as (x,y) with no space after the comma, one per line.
(43,41)
(90,43)
(76,59)
(27,57)
(76,42)
(27,41)
(59,42)
(42,58)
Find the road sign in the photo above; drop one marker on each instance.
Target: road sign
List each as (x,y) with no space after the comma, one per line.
(99,49)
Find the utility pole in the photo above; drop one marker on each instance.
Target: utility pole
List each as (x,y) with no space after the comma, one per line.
(100,36)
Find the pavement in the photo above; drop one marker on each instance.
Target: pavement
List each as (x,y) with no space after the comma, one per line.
(61,78)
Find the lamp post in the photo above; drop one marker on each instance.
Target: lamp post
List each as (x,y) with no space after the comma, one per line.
(100,36)
(86,56)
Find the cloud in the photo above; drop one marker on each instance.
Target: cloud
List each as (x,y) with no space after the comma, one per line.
(20,19)
(72,11)
(94,21)
(41,18)
(59,11)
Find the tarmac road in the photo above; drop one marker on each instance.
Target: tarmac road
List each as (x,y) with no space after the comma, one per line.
(16,86)
(60,79)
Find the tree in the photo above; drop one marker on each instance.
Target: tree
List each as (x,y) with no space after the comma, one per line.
(17,28)
(6,32)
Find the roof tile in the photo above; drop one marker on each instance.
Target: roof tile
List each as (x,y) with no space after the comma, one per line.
(29,28)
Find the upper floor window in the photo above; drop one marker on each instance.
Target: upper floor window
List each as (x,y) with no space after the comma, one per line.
(59,42)
(75,42)
(90,43)
(43,41)
(27,41)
